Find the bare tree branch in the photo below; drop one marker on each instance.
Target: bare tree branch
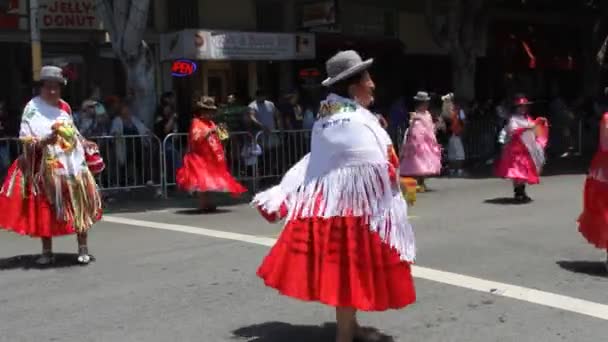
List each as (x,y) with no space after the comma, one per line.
(436,28)
(104,11)
(136,25)
(120,12)
(601,54)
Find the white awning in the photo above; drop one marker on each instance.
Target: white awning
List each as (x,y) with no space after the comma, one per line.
(231,45)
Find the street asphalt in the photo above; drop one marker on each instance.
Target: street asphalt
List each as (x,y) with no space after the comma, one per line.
(157,285)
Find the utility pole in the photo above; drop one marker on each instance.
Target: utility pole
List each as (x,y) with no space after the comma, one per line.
(35,40)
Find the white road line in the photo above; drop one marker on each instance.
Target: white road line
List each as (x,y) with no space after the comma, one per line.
(173,210)
(565,303)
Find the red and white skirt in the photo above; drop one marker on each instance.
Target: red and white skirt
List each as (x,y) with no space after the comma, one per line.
(27,214)
(593,222)
(338,262)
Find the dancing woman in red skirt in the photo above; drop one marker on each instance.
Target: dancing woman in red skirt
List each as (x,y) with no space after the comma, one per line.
(204,168)
(347,242)
(49,190)
(593,222)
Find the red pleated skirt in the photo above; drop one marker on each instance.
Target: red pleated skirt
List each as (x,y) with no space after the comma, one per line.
(28,214)
(338,262)
(516,163)
(200,175)
(593,222)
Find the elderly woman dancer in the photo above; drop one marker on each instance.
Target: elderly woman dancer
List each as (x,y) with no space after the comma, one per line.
(49,190)
(347,242)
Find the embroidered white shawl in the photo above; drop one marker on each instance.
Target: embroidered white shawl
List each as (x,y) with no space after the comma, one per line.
(348,169)
(37,121)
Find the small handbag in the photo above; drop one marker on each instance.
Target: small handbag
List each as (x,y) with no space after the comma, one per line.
(94,160)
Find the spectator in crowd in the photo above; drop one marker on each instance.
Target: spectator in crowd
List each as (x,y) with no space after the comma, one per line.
(113,105)
(5,158)
(127,124)
(92,120)
(291,115)
(263,114)
(168,99)
(310,113)
(86,118)
(291,112)
(456,153)
(167,123)
(399,117)
(130,145)
(562,119)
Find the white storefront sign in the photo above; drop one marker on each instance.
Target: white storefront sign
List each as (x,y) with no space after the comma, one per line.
(68,15)
(227,45)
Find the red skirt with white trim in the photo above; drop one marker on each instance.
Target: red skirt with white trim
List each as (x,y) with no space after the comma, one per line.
(593,222)
(27,214)
(338,262)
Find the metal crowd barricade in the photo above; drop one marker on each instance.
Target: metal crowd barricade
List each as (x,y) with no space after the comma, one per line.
(480,139)
(280,151)
(10,148)
(240,160)
(132,162)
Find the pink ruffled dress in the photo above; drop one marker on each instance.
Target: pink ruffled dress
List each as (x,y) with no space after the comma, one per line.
(420,153)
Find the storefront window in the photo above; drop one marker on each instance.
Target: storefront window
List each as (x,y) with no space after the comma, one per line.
(270,16)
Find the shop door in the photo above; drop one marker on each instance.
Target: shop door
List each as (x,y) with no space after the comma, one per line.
(217,85)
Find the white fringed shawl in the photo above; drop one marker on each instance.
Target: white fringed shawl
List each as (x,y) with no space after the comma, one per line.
(348,169)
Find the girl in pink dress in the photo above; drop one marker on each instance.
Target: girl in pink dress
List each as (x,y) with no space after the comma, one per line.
(420,153)
(593,222)
(523,156)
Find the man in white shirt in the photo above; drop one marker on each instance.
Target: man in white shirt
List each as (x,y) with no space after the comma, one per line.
(263,113)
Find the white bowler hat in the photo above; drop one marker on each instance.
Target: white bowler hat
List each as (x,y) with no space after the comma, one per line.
(343,65)
(422,96)
(52,73)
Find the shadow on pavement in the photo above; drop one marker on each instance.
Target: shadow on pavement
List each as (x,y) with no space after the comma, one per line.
(577,165)
(194,212)
(143,200)
(592,268)
(505,201)
(280,332)
(28,262)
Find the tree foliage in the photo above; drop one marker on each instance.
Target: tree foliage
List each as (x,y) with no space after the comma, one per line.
(460,26)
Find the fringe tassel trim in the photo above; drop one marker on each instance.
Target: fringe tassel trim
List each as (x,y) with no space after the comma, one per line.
(356,190)
(75,199)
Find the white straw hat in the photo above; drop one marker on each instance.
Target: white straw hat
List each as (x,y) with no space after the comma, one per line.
(52,73)
(343,65)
